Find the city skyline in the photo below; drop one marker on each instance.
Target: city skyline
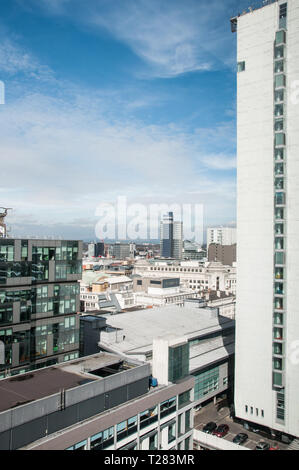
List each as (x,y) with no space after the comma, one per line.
(102,102)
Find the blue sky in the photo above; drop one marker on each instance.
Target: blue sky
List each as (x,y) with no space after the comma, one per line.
(109,98)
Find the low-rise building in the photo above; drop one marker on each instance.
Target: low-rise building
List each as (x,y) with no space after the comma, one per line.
(210,338)
(160,291)
(199,276)
(101,402)
(101,291)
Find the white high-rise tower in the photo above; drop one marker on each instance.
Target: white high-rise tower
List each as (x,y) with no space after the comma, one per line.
(267,313)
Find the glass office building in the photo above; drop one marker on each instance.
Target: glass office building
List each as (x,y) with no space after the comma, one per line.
(39,301)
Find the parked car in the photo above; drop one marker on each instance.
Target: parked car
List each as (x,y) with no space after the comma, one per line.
(210,427)
(262,445)
(274,446)
(240,438)
(221,431)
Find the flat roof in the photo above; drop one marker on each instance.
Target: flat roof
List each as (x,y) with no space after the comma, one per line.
(24,388)
(139,328)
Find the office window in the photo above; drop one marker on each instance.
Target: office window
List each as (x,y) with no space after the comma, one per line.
(241,66)
(187,443)
(279,66)
(279,169)
(279,125)
(6,250)
(280,37)
(184,398)
(279,52)
(278,334)
(277,379)
(178,362)
(126,428)
(148,417)
(153,441)
(277,363)
(80,445)
(278,349)
(102,440)
(283,16)
(279,183)
(280,139)
(171,433)
(280,198)
(279,258)
(278,110)
(167,407)
(187,420)
(280,80)
(279,96)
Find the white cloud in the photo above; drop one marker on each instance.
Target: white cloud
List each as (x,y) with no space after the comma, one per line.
(220,162)
(171,37)
(62,158)
(14,60)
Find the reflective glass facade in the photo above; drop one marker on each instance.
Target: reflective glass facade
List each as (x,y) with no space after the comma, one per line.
(39,299)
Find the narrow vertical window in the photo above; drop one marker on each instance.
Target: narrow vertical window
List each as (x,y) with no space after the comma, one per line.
(241,66)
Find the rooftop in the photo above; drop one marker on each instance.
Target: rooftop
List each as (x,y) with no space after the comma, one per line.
(24,388)
(139,328)
(257,5)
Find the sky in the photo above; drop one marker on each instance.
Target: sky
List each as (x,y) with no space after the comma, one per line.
(116,98)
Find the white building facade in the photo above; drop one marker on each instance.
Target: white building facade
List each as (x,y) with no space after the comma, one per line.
(195,275)
(267,311)
(221,235)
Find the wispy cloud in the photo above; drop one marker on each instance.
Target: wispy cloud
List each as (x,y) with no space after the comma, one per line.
(171,37)
(220,162)
(16,60)
(70,148)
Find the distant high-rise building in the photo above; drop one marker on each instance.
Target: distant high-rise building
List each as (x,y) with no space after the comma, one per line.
(221,235)
(166,236)
(121,250)
(171,237)
(39,301)
(267,330)
(225,254)
(177,240)
(96,249)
